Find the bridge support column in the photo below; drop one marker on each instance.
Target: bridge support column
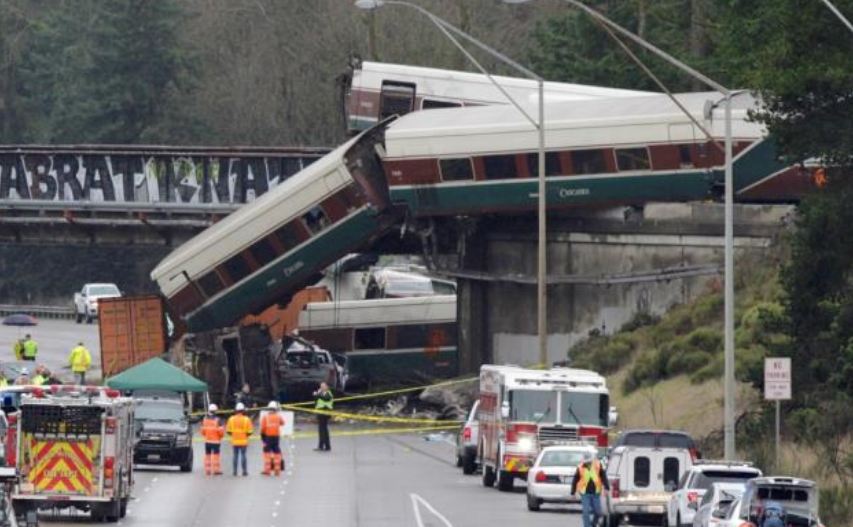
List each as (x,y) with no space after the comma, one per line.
(473,337)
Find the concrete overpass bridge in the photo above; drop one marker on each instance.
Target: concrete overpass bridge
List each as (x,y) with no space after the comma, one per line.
(132,194)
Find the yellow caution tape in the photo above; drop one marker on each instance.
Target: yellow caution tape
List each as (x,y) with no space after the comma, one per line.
(371,418)
(357,432)
(392,392)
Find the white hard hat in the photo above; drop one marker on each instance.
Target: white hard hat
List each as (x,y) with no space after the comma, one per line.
(273,405)
(25,371)
(212,408)
(240,407)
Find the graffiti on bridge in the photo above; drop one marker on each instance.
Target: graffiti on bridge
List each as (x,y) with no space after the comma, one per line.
(147,178)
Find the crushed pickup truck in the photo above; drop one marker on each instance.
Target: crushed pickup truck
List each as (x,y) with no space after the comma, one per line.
(302,365)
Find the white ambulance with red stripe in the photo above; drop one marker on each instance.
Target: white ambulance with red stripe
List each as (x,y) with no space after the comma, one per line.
(74,450)
(523,410)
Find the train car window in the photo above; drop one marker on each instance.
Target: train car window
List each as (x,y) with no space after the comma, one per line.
(412,336)
(588,162)
(500,167)
(316,220)
(369,338)
(552,164)
(351,197)
(237,268)
(427,104)
(685,157)
(396,98)
(632,159)
(263,252)
(456,169)
(288,235)
(211,283)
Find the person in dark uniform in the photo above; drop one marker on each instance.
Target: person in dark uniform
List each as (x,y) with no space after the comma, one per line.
(326,402)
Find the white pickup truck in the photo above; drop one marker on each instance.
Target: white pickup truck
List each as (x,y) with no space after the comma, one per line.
(86,300)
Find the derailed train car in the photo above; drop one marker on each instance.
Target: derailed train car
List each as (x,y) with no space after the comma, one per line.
(458,161)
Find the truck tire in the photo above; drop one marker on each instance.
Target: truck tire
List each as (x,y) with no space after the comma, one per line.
(123,507)
(505,481)
(469,463)
(488,476)
(187,466)
(458,461)
(88,319)
(613,520)
(77,316)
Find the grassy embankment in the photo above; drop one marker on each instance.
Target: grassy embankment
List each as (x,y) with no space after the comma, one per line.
(667,373)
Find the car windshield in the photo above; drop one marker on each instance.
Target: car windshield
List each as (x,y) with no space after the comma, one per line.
(158,411)
(302,358)
(706,478)
(584,408)
(561,458)
(103,290)
(532,405)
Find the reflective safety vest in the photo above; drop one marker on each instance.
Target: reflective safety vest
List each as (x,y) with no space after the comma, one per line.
(39,379)
(4,382)
(80,359)
(212,430)
(18,348)
(323,404)
(586,474)
(31,349)
(239,427)
(271,424)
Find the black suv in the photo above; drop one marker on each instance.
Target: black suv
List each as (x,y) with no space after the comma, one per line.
(163,433)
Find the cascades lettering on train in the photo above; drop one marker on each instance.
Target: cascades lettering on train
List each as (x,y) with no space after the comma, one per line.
(143,178)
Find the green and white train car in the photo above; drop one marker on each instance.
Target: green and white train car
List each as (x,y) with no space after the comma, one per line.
(269,249)
(384,337)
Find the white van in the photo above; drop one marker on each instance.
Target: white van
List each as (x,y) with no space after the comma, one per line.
(642,480)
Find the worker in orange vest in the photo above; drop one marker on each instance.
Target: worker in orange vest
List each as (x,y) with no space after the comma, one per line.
(212,431)
(239,427)
(271,424)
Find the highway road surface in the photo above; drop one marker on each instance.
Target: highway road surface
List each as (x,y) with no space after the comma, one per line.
(55,338)
(365,481)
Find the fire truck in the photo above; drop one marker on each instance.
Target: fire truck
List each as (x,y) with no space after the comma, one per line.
(523,410)
(74,449)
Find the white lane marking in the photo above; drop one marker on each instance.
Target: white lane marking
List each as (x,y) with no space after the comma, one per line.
(154,479)
(417,501)
(275,515)
(277,503)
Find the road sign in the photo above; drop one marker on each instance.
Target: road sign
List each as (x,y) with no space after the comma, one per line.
(777,378)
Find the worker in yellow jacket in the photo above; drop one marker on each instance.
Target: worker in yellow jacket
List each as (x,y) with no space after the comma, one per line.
(80,360)
(239,427)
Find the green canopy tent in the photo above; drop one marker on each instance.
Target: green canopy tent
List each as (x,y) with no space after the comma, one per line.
(156,374)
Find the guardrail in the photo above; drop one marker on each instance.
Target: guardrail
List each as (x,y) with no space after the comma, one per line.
(38,311)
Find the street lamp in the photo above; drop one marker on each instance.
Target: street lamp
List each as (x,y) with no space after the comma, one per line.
(729,294)
(447,28)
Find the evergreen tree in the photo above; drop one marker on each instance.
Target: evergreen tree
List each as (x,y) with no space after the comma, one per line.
(105,72)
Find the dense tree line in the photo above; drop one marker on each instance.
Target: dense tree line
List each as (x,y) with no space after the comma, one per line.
(264,72)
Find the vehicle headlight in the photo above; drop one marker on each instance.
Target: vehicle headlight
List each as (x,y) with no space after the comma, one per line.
(526,443)
(182,439)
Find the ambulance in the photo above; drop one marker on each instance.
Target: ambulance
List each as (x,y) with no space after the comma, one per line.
(523,410)
(74,450)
